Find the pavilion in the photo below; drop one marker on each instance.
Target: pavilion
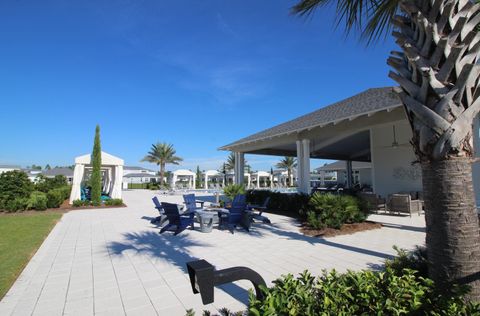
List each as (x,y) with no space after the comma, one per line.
(112,175)
(184,176)
(368,127)
(214,176)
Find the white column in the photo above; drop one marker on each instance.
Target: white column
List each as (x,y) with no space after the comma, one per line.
(194,180)
(205,185)
(300,162)
(239,167)
(306,165)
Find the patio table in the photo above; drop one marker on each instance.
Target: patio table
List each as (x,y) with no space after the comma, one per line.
(206,218)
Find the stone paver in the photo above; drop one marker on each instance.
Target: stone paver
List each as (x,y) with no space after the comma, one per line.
(114,262)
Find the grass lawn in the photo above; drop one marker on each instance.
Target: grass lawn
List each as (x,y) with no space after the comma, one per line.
(20,237)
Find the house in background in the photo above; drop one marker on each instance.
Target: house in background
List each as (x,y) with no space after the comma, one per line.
(32,174)
(59,171)
(6,168)
(361,172)
(135,175)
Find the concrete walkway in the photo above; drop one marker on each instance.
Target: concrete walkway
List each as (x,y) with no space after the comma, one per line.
(114,262)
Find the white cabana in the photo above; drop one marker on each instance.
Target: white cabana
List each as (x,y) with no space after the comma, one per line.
(112,174)
(280,178)
(257,177)
(185,176)
(214,175)
(231,178)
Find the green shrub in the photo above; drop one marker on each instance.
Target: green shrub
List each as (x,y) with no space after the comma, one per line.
(56,197)
(232,190)
(329,210)
(80,203)
(37,201)
(45,184)
(116,202)
(14,185)
(17,204)
(294,203)
(359,293)
(412,260)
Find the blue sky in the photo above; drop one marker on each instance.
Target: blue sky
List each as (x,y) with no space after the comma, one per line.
(198,74)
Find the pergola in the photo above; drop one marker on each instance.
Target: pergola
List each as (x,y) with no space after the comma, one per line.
(281,177)
(257,176)
(112,175)
(212,174)
(231,177)
(183,175)
(341,131)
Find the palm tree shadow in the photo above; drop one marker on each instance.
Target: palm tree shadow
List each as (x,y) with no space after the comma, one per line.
(170,249)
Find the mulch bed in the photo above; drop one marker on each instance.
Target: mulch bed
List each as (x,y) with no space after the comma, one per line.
(346,229)
(64,208)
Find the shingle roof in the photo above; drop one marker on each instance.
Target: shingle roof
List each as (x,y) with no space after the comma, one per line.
(67,172)
(371,100)
(135,168)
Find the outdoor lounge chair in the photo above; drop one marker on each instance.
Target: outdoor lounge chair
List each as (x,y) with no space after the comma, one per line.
(191,202)
(403,203)
(162,217)
(375,203)
(176,222)
(260,209)
(237,215)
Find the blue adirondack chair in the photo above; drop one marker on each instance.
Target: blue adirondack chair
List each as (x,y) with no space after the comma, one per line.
(191,202)
(237,214)
(161,218)
(260,208)
(176,222)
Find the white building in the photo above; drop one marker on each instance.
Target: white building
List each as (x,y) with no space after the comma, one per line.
(135,175)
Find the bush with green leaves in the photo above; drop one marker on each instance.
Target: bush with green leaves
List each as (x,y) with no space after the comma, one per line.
(114,202)
(331,210)
(80,203)
(294,203)
(15,188)
(37,201)
(413,260)
(57,196)
(232,190)
(359,293)
(45,184)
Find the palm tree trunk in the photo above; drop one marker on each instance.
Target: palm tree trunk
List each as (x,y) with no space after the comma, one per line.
(162,173)
(453,242)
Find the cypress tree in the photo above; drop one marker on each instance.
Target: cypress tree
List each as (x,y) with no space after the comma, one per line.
(96,177)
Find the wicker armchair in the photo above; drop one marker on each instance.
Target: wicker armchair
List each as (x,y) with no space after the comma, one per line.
(403,203)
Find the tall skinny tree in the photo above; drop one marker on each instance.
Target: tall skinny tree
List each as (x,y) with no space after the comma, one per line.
(287,163)
(96,177)
(438,75)
(162,154)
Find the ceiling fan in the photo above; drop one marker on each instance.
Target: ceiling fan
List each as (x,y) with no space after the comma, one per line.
(395,143)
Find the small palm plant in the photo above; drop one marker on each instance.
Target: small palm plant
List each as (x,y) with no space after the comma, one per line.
(288,163)
(162,154)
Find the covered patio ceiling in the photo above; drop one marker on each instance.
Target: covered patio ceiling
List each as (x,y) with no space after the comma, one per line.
(340,131)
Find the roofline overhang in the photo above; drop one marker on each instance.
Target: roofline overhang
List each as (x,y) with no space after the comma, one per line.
(232,146)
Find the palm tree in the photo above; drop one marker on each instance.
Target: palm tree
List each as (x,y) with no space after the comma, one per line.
(287,163)
(438,75)
(162,154)
(230,163)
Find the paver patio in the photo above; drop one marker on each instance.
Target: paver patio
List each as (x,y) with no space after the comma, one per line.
(113,261)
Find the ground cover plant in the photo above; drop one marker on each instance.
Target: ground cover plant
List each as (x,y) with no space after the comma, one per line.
(20,237)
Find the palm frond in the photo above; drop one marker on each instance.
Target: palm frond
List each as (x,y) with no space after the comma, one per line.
(371,17)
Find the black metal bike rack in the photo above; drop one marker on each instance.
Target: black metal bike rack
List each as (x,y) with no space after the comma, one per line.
(204,277)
